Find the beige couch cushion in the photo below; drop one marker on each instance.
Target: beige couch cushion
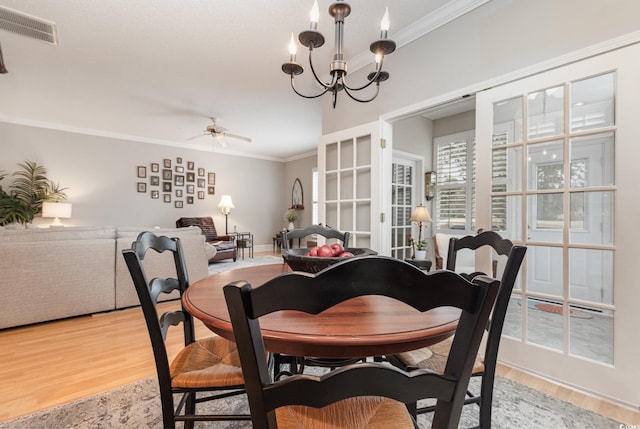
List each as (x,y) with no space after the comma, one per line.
(55,234)
(158,265)
(48,274)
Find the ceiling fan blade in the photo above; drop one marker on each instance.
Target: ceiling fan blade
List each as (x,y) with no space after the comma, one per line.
(247,139)
(197,136)
(220,139)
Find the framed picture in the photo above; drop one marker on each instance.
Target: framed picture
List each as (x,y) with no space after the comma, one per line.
(201,183)
(178,160)
(190,189)
(155,167)
(142,187)
(191,177)
(167,163)
(189,200)
(142,171)
(155,194)
(179,169)
(212,179)
(178,204)
(167,174)
(200,171)
(201,195)
(190,165)
(154,180)
(178,193)
(178,180)
(166,198)
(211,190)
(166,186)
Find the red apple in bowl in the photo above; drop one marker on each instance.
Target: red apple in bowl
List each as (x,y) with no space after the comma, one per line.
(337,249)
(325,251)
(346,255)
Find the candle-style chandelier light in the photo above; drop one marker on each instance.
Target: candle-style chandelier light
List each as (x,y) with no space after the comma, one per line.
(312,38)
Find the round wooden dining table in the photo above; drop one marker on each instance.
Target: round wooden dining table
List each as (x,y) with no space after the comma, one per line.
(360,327)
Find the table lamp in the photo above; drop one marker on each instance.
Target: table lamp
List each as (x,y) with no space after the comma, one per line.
(56,210)
(420,214)
(225,206)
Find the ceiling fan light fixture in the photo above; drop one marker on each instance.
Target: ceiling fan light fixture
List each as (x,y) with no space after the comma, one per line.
(219,133)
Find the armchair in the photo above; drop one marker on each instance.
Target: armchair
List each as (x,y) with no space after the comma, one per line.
(225,244)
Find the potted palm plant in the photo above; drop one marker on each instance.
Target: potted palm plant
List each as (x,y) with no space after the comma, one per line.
(22,200)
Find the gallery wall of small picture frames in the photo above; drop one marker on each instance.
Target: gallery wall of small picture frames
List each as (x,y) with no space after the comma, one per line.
(176,182)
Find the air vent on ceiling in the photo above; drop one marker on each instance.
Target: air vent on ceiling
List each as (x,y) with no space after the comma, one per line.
(27,25)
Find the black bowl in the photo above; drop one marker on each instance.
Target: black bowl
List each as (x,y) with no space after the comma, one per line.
(312,264)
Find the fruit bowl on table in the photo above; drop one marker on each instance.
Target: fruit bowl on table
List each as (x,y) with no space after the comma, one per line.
(297,260)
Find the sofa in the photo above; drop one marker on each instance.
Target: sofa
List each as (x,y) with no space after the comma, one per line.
(54,273)
(225,245)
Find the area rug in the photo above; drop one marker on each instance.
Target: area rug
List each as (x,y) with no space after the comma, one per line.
(229,264)
(137,405)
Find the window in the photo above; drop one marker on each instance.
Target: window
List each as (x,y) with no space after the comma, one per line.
(455,193)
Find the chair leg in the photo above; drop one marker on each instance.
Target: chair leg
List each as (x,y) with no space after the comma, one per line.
(190,408)
(486,400)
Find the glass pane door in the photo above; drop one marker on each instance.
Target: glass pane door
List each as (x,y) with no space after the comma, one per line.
(557,171)
(403,180)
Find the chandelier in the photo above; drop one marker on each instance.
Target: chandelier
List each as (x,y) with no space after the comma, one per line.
(312,39)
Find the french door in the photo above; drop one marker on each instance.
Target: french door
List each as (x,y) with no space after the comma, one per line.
(405,184)
(557,170)
(354,188)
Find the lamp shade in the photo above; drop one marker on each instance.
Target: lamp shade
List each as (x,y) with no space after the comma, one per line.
(420,214)
(226,203)
(57,210)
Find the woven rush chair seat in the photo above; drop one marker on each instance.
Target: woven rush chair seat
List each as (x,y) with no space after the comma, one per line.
(211,361)
(369,412)
(434,358)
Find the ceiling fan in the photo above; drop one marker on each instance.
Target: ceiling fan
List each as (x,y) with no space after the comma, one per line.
(219,133)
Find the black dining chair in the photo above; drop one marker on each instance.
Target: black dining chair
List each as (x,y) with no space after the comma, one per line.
(371,394)
(298,364)
(435,357)
(210,365)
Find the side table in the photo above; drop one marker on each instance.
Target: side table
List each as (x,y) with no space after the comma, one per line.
(244,240)
(423,264)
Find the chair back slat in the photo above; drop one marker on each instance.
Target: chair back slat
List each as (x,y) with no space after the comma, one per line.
(382,276)
(314,229)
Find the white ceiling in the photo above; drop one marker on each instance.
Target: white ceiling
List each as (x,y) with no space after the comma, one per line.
(155,70)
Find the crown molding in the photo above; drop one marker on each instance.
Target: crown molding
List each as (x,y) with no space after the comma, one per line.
(425,25)
(128,137)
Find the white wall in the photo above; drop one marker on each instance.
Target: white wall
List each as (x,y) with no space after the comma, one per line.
(101,176)
(497,38)
(454,124)
(300,169)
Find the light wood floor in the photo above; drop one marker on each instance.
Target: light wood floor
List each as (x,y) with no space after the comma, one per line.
(54,363)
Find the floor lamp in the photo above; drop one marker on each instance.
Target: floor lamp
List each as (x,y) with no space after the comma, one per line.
(225,206)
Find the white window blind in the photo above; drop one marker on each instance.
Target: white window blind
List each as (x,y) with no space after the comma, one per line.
(455,195)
